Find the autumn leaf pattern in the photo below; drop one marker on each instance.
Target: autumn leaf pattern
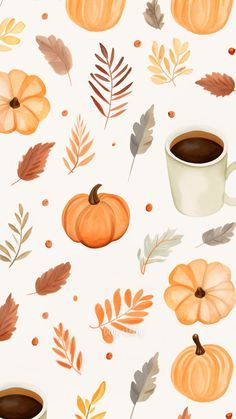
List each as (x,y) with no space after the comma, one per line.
(107,84)
(112,315)
(66,350)
(79,150)
(9,28)
(52,280)
(217,84)
(87,407)
(8,318)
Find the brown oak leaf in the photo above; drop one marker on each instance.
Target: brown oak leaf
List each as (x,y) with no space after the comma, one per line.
(52,280)
(185,414)
(34,161)
(8,318)
(217,84)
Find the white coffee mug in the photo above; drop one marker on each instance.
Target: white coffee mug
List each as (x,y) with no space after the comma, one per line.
(198,189)
(26,390)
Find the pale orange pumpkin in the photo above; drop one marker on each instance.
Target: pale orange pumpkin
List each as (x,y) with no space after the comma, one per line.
(202,374)
(96,220)
(22,102)
(95,15)
(202,16)
(200,292)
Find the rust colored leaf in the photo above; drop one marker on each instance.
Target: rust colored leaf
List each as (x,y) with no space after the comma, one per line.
(34,161)
(117,302)
(131,321)
(137,296)
(143,305)
(67,349)
(99,107)
(79,361)
(128,297)
(185,414)
(8,318)
(104,50)
(99,313)
(108,309)
(107,335)
(217,84)
(52,280)
(65,365)
(72,349)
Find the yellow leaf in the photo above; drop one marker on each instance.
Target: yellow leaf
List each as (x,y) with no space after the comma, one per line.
(18,28)
(188,71)
(161,53)
(3,25)
(99,393)
(4,48)
(10,40)
(177,46)
(185,57)
(167,64)
(81,405)
(153,60)
(154,69)
(159,79)
(155,48)
(172,57)
(184,47)
(87,403)
(99,415)
(10,24)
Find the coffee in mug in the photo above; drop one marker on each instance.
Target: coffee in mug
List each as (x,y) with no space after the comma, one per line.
(17,402)
(197,168)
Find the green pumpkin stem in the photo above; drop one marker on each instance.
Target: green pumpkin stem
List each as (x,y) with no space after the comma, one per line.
(199,348)
(93,196)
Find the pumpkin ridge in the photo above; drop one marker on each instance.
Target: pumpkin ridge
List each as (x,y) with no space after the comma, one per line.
(114,219)
(67,208)
(229,309)
(215,288)
(186,270)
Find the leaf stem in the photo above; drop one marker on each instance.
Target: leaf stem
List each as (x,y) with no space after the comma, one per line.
(18,180)
(132,413)
(87,415)
(199,245)
(132,165)
(144,267)
(68,73)
(19,247)
(111,95)
(113,320)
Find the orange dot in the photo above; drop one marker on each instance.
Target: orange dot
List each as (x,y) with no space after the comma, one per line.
(45,315)
(109,355)
(35,341)
(48,244)
(113,144)
(137,43)
(44,16)
(45,202)
(171,114)
(149,207)
(231,51)
(75,298)
(229,415)
(64,113)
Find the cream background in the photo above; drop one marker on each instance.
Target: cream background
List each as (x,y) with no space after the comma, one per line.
(96,274)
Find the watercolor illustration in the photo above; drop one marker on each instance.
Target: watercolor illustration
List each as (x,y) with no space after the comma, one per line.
(218,235)
(153,15)
(8,29)
(201,16)
(87,407)
(95,15)
(22,102)
(195,159)
(217,84)
(202,373)
(21,402)
(66,350)
(96,220)
(201,292)
(185,414)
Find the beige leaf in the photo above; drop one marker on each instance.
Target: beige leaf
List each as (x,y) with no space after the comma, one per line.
(3,25)
(99,393)
(155,49)
(11,40)
(153,60)
(99,416)
(172,57)
(18,28)
(185,57)
(4,250)
(23,255)
(177,46)
(154,69)
(4,48)
(161,53)
(184,47)
(188,71)
(167,64)
(159,79)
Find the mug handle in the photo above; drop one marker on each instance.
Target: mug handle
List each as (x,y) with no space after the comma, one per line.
(227,199)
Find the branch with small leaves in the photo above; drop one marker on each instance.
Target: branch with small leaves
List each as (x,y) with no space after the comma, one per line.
(167,70)
(66,349)
(87,407)
(80,144)
(12,253)
(109,78)
(8,29)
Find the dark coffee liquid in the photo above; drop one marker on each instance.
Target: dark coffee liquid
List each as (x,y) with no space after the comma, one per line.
(197,150)
(18,406)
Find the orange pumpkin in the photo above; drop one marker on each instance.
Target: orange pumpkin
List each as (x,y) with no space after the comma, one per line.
(202,374)
(22,102)
(96,220)
(202,16)
(200,292)
(95,15)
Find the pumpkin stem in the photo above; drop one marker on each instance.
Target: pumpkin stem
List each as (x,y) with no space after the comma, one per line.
(199,348)
(14,103)
(200,293)
(93,196)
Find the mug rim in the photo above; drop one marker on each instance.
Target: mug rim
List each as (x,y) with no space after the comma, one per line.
(203,128)
(30,387)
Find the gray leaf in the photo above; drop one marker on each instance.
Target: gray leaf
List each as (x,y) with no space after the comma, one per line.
(142,138)
(147,245)
(153,15)
(144,385)
(219,235)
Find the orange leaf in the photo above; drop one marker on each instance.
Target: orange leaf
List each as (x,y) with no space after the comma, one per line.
(144,305)
(58,332)
(123,328)
(73,148)
(8,318)
(117,301)
(66,164)
(107,335)
(108,309)
(131,321)
(137,296)
(71,156)
(58,343)
(66,339)
(128,297)
(59,352)
(99,313)
(86,148)
(75,137)
(137,314)
(79,361)
(72,349)
(118,113)
(63,364)
(147,297)
(85,138)
(87,160)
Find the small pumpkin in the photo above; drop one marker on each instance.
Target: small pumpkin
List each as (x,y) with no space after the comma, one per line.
(22,102)
(202,374)
(202,16)
(95,15)
(200,292)
(96,220)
